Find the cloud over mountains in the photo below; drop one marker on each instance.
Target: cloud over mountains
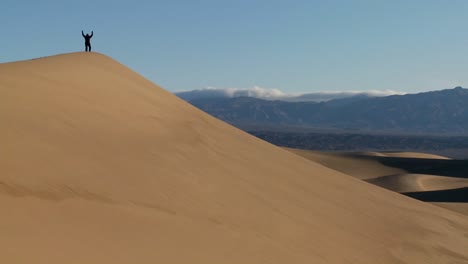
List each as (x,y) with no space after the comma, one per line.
(275,94)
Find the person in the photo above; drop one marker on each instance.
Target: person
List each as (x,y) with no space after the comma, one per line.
(87,38)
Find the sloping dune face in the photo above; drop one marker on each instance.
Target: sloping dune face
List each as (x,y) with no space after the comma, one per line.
(99,165)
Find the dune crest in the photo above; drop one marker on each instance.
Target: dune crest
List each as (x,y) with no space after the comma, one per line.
(99,165)
(396,154)
(415,155)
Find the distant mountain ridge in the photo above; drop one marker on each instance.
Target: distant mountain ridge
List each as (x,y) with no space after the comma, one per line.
(275,94)
(444,111)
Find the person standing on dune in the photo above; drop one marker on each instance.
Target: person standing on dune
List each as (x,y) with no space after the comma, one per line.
(87,38)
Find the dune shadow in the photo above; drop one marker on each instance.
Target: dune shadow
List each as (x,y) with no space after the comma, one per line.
(452,168)
(459,195)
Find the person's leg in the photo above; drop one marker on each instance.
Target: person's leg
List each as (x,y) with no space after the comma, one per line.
(89,47)
(86,48)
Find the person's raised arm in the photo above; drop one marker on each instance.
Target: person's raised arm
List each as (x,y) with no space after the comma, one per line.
(91,34)
(82,34)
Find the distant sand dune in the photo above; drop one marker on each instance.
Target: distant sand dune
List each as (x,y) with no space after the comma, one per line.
(362,165)
(418,182)
(412,155)
(416,155)
(99,165)
(426,177)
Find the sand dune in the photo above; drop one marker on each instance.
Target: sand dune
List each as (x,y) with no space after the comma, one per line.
(461,208)
(363,165)
(418,182)
(415,155)
(426,177)
(99,165)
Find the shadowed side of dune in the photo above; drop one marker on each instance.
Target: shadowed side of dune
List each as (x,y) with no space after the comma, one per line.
(452,168)
(459,195)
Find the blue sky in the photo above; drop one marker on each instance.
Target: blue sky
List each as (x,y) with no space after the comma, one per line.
(295,46)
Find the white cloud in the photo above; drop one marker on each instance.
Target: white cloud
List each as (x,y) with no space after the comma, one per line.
(276,94)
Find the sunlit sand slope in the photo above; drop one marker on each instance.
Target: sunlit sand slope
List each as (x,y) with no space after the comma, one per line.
(99,165)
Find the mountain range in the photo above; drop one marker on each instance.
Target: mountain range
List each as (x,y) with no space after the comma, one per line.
(441,112)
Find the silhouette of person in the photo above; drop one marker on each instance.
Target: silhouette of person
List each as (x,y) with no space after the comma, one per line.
(87,38)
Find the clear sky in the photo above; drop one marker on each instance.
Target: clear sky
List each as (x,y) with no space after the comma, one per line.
(292,45)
